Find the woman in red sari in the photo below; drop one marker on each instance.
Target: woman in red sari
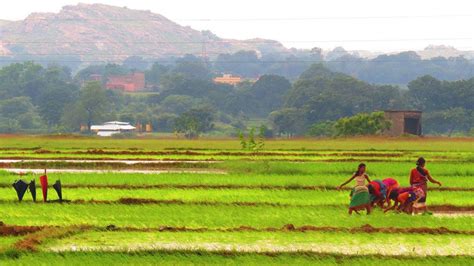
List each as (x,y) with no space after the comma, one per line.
(419,177)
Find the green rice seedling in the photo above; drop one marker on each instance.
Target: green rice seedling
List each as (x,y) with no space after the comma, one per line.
(213,216)
(223,258)
(6,242)
(292,197)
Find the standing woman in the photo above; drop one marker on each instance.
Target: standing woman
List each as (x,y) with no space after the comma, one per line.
(360,198)
(419,177)
(360,177)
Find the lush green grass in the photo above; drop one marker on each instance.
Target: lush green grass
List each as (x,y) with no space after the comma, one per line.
(221,258)
(7,241)
(268,179)
(375,169)
(225,155)
(262,196)
(330,242)
(331,178)
(396,144)
(212,216)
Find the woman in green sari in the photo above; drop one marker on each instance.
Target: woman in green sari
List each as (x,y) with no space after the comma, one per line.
(360,198)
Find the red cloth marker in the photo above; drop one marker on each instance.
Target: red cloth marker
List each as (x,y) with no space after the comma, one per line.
(44,186)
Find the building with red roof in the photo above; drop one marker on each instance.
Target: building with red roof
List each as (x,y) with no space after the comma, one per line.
(129,83)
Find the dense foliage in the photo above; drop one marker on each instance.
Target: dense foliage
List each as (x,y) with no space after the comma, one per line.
(402,68)
(39,99)
(362,124)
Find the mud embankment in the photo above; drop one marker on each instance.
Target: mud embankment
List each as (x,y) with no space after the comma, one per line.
(15,230)
(367,228)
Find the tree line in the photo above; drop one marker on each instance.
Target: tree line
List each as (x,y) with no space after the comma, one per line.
(184,98)
(399,68)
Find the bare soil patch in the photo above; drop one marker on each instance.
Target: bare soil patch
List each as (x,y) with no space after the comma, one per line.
(31,241)
(450,208)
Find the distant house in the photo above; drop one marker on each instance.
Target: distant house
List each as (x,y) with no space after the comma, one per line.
(228,79)
(130,83)
(110,128)
(404,122)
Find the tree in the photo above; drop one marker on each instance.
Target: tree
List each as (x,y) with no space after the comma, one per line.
(401,68)
(93,101)
(19,115)
(59,92)
(287,121)
(426,93)
(242,63)
(449,120)
(25,79)
(105,70)
(194,122)
(54,101)
(192,67)
(164,122)
(270,91)
(250,143)
(135,63)
(155,74)
(322,129)
(323,95)
(362,124)
(178,104)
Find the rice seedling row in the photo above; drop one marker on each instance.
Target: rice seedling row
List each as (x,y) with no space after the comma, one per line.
(231,196)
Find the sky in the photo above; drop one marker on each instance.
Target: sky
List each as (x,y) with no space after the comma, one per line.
(376,25)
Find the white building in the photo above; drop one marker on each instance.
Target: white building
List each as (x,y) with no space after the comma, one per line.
(110,128)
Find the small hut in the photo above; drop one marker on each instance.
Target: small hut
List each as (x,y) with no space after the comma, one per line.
(404,122)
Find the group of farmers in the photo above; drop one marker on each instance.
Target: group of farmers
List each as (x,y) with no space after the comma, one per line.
(367,194)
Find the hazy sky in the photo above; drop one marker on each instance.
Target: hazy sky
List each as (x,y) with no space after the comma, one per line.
(354,24)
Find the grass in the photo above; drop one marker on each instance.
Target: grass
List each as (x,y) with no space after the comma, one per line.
(212,216)
(372,143)
(331,178)
(7,241)
(221,258)
(225,155)
(290,182)
(219,196)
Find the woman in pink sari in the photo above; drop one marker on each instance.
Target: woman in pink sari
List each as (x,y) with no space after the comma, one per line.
(390,184)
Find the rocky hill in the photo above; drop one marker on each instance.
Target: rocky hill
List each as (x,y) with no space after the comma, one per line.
(102,32)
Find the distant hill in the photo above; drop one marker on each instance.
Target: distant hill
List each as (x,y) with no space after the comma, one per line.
(443,51)
(102,32)
(88,34)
